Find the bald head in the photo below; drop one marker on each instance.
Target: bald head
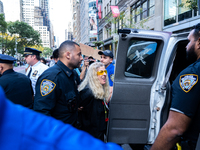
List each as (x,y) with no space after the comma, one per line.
(66,46)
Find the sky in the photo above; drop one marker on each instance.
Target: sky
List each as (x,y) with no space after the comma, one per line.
(59,14)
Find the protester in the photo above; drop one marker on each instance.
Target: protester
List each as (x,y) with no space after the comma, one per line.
(56,89)
(32,57)
(17,86)
(23,129)
(107,59)
(43,60)
(94,91)
(84,68)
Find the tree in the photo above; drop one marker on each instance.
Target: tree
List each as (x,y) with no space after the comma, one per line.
(3,29)
(25,34)
(191,4)
(47,52)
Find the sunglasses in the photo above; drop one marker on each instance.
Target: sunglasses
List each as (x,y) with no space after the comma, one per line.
(100,73)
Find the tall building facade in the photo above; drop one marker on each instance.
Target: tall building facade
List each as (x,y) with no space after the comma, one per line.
(37,16)
(166,15)
(27,11)
(88,21)
(1,7)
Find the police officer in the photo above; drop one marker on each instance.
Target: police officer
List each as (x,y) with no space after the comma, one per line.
(107,59)
(184,117)
(17,86)
(56,89)
(32,57)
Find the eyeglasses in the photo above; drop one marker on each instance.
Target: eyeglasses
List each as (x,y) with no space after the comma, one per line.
(100,73)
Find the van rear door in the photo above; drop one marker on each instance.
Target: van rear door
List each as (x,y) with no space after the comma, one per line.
(136,69)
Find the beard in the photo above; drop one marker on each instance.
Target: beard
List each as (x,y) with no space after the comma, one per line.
(191,55)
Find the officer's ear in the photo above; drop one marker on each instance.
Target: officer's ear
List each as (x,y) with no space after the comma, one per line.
(67,54)
(198,41)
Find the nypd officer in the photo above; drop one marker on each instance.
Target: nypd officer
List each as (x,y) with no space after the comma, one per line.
(56,89)
(107,59)
(17,86)
(32,57)
(184,117)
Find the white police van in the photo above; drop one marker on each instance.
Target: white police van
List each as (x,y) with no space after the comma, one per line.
(147,62)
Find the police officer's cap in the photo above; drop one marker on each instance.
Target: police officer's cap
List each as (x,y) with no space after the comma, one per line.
(6,59)
(31,51)
(106,53)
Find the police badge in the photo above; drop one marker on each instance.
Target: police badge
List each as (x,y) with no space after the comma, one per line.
(46,87)
(187,81)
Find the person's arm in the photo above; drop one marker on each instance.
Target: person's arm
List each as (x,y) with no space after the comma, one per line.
(111,91)
(45,98)
(171,132)
(82,75)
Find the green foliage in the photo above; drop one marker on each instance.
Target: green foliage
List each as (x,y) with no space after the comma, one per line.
(25,34)
(191,4)
(47,52)
(3,24)
(126,21)
(98,43)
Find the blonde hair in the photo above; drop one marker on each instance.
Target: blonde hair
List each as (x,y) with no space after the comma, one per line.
(99,91)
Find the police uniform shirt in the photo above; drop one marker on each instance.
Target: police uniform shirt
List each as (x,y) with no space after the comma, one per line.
(110,69)
(23,129)
(37,70)
(17,88)
(56,93)
(186,98)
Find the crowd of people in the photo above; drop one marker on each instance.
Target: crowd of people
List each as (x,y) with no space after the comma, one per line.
(59,91)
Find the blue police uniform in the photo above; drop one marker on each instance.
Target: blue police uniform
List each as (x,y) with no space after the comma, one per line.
(186,99)
(24,129)
(17,86)
(110,70)
(57,94)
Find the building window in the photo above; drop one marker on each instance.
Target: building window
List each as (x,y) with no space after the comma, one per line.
(174,14)
(142,9)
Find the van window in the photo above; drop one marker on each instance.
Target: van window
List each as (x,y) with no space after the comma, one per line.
(140,58)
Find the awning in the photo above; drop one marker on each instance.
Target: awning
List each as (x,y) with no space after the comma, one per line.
(90,51)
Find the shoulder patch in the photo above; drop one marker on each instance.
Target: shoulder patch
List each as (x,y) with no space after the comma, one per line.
(187,81)
(46,87)
(112,77)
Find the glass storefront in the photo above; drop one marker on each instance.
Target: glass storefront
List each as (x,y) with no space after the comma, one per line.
(173,12)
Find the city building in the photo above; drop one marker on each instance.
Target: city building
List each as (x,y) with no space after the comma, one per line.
(168,15)
(27,11)
(1,7)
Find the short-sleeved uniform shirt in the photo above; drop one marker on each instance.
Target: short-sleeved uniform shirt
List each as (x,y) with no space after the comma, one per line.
(37,70)
(110,69)
(57,94)
(186,98)
(17,88)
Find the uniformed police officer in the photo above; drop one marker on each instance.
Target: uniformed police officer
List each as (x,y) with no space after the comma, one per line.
(107,59)
(56,89)
(17,86)
(184,116)
(32,57)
